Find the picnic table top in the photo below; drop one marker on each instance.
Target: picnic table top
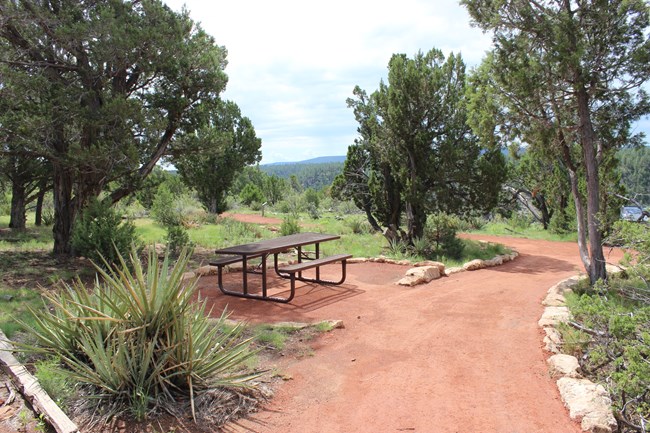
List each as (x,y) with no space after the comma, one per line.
(268,246)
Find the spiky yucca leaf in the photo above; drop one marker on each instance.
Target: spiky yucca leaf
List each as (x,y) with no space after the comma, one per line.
(137,339)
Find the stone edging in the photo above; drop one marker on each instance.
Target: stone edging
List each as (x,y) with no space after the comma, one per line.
(422,272)
(588,403)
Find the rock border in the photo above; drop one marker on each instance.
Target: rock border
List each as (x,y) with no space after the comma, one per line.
(423,267)
(588,403)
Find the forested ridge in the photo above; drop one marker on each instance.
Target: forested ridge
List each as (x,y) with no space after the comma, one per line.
(309,175)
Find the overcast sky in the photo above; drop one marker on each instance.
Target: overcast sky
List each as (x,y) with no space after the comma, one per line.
(293,63)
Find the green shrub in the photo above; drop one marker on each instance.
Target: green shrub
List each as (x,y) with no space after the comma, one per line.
(440,232)
(100,234)
(421,247)
(519,220)
(5,202)
(177,239)
(618,351)
(358,226)
(313,211)
(562,223)
(138,341)
(251,193)
(312,197)
(170,209)
(289,226)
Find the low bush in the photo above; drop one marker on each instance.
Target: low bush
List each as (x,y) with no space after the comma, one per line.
(101,235)
(614,319)
(177,239)
(138,342)
(289,226)
(440,232)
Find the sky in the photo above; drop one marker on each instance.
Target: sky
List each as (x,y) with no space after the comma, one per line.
(293,63)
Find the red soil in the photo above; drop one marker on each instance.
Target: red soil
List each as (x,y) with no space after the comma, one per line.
(460,354)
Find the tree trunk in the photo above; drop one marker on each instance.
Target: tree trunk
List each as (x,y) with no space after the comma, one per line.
(18,203)
(596,270)
(580,220)
(371,219)
(38,218)
(64,210)
(540,203)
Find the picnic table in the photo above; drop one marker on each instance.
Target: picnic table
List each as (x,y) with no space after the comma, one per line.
(264,248)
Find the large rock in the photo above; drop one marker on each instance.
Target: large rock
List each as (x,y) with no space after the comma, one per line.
(474,265)
(564,365)
(553,340)
(440,266)
(420,275)
(553,316)
(357,260)
(555,295)
(495,261)
(454,270)
(588,403)
(206,270)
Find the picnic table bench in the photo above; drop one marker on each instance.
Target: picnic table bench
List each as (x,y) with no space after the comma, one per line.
(262,249)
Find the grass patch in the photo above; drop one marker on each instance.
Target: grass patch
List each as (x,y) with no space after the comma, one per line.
(16,304)
(533,231)
(273,336)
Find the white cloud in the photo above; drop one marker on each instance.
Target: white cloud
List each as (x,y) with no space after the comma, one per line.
(292,64)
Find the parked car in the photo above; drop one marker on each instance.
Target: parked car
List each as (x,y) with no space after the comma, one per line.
(633,213)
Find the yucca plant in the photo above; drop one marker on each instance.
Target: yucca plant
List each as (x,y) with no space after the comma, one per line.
(138,339)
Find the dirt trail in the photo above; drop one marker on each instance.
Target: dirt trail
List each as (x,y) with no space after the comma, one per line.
(460,354)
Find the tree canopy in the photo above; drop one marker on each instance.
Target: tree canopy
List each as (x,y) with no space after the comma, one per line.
(415,150)
(567,76)
(100,89)
(210,157)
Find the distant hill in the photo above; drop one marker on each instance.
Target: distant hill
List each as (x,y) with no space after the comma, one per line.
(318,160)
(316,173)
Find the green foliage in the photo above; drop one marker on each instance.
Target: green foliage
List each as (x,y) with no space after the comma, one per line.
(148,74)
(312,197)
(303,176)
(55,381)
(251,193)
(138,340)
(175,208)
(223,146)
(101,235)
(440,233)
(290,226)
(635,172)
(274,188)
(177,239)
(415,145)
(15,303)
(567,79)
(618,350)
(357,225)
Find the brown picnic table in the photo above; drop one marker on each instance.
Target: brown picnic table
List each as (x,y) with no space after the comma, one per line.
(264,248)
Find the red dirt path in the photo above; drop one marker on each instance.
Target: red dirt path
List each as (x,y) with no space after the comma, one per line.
(460,354)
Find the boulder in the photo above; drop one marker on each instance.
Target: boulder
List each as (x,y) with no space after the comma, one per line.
(588,403)
(495,261)
(553,316)
(357,260)
(564,365)
(453,270)
(440,266)
(206,270)
(420,275)
(474,265)
(552,340)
